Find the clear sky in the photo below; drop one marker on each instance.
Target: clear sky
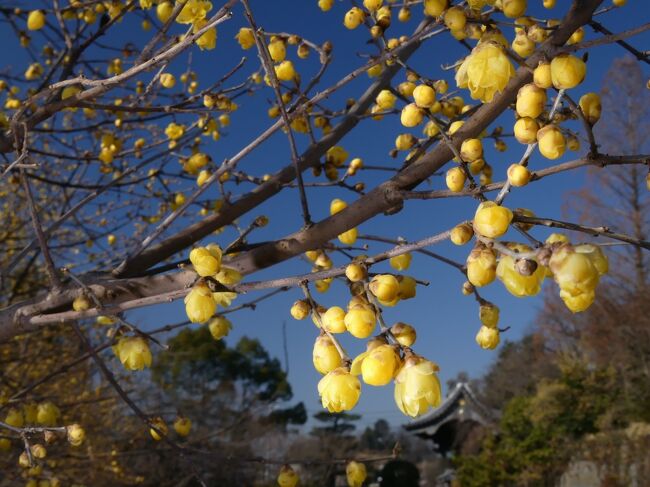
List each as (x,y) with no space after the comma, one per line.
(446,321)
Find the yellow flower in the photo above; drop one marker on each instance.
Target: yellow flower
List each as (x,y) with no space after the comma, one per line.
(339,390)
(485,71)
(228,276)
(531,100)
(355,473)
(182,426)
(384,287)
(205,263)
(492,220)
(349,237)
(518,175)
(36,20)
(591,107)
(246,38)
(76,434)
(518,284)
(174,131)
(160,428)
(417,387)
(400,262)
(487,338)
(378,365)
(194,11)
(325,356)
(471,150)
(360,321)
(208,40)
(285,71)
(573,271)
(333,320)
(355,272)
(513,8)
(579,302)
(287,477)
(277,50)
(81,303)
(404,333)
(219,327)
(596,255)
(567,71)
(336,155)
(167,80)
(411,115)
(199,304)
(223,299)
(455,179)
(133,352)
(385,100)
(33,71)
(481,266)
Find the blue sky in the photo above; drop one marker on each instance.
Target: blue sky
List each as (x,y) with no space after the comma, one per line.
(446,321)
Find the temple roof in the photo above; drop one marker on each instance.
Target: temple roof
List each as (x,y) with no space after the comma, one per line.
(460,405)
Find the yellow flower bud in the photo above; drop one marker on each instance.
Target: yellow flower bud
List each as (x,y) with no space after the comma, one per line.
(406,88)
(530,101)
(47,414)
(199,304)
(133,352)
(36,20)
(246,38)
(551,142)
(513,8)
(300,309)
(577,36)
(455,19)
(471,150)
(492,220)
(325,355)
(591,107)
(407,287)
(159,428)
(354,18)
(38,451)
(549,3)
(411,115)
(339,390)
(481,266)
(567,71)
(557,238)
(277,50)
(333,320)
(81,303)
(488,313)
(596,255)
(384,287)
(378,365)
(404,333)
(349,237)
(76,434)
(434,8)
(205,262)
(401,262)
(523,45)
(455,179)
(518,175)
(355,272)
(461,234)
(619,3)
(15,418)
(485,71)
(164,11)
(360,321)
(542,76)
(417,387)
(228,276)
(219,327)
(385,100)
(424,96)
(526,130)
(487,338)
(355,473)
(182,426)
(167,80)
(287,477)
(325,5)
